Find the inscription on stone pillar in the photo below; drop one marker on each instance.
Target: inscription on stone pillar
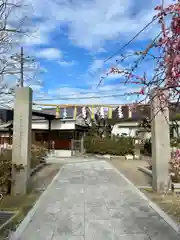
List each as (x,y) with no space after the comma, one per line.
(21,151)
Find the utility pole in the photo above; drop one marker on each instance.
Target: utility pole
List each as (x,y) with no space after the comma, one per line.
(21,59)
(22,68)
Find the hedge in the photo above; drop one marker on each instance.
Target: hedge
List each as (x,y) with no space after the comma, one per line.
(37,154)
(119,146)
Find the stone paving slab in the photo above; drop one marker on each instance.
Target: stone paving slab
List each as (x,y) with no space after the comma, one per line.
(92,201)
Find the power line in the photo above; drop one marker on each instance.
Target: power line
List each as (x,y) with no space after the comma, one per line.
(60,105)
(129,42)
(124,46)
(94,92)
(140,59)
(92,97)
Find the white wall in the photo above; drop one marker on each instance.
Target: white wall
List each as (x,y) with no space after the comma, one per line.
(56,124)
(119,130)
(61,153)
(129,129)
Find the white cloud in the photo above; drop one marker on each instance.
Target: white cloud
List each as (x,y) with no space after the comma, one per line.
(107,94)
(98,71)
(43,69)
(49,53)
(91,23)
(39,32)
(35,38)
(66,63)
(96,65)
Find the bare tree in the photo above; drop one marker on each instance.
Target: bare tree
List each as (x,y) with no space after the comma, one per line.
(14,25)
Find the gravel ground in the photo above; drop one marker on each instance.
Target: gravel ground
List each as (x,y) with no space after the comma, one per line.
(130,169)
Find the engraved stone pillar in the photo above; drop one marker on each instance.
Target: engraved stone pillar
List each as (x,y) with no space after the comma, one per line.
(21,152)
(160,142)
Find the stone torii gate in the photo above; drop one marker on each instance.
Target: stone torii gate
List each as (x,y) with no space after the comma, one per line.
(21,153)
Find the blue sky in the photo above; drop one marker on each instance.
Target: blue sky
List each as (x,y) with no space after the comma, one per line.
(70,40)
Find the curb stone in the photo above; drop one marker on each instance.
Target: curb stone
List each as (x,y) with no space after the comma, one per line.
(15,214)
(37,168)
(145,170)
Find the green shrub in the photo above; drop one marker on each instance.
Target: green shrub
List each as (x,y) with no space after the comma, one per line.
(119,146)
(175,142)
(37,154)
(5,171)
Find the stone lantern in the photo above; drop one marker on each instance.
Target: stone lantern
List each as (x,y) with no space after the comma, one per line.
(138,145)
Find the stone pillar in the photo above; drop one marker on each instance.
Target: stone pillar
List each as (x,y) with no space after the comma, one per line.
(160,142)
(33,138)
(21,152)
(72,147)
(82,145)
(137,152)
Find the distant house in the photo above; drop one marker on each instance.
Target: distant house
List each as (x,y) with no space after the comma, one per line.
(57,133)
(130,125)
(66,133)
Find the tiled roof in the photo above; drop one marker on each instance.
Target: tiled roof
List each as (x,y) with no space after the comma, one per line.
(6,115)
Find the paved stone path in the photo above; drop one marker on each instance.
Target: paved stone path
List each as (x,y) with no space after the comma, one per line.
(92,201)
